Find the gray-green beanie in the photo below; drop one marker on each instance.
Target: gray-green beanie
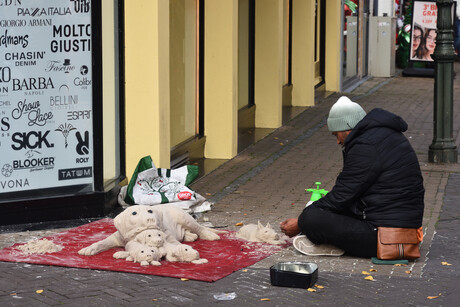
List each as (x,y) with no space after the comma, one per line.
(344,115)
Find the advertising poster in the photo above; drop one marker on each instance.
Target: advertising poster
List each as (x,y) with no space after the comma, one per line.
(45,94)
(423,30)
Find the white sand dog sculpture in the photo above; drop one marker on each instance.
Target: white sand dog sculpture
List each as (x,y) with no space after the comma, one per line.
(259,233)
(158,242)
(151,237)
(183,253)
(140,253)
(177,224)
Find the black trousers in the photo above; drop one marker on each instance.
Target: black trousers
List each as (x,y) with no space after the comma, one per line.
(355,236)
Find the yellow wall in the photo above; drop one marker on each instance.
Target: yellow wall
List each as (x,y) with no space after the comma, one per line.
(303,52)
(221,78)
(147,82)
(147,60)
(333,45)
(269,63)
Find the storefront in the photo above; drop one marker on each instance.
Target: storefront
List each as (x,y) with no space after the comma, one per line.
(61,108)
(88,88)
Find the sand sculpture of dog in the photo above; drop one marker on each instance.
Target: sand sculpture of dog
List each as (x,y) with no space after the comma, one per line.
(137,252)
(174,222)
(156,241)
(151,237)
(259,233)
(183,253)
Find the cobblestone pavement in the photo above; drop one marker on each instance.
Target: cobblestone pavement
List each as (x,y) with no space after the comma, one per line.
(267,182)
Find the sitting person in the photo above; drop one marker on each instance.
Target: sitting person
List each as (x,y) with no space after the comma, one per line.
(380,185)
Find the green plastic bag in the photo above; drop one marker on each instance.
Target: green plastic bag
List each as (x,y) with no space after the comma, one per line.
(150,185)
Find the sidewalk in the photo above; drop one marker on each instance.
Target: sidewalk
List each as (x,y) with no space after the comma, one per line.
(267,182)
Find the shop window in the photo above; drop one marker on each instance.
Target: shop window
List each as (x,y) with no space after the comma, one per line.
(184,64)
(61,96)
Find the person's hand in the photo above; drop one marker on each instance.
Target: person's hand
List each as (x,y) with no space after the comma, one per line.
(290,227)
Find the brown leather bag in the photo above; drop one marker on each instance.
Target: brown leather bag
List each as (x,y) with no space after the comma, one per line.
(397,243)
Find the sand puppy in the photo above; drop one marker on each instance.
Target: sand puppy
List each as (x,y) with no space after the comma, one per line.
(259,233)
(151,237)
(145,255)
(173,221)
(183,253)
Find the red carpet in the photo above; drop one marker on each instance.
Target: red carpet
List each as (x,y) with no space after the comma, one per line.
(225,256)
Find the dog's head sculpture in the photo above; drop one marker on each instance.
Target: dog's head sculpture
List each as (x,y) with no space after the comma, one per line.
(266,233)
(134,219)
(151,237)
(185,253)
(142,254)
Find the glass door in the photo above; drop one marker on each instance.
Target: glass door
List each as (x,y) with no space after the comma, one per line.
(184,74)
(350,40)
(320,10)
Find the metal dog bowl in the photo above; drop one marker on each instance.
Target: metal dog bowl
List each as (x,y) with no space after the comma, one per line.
(294,274)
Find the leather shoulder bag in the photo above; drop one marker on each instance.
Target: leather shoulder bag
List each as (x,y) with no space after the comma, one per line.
(397,243)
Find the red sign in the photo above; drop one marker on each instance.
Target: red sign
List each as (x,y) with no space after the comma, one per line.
(184,195)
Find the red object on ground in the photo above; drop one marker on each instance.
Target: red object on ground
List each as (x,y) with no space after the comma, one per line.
(225,256)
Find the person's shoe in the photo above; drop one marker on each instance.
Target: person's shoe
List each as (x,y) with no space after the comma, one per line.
(305,246)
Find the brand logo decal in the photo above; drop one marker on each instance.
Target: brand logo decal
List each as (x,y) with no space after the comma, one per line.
(64,100)
(48,11)
(10,2)
(76,38)
(184,195)
(35,164)
(75,173)
(35,115)
(4,103)
(7,170)
(84,70)
(57,66)
(14,23)
(82,160)
(82,143)
(25,58)
(65,130)
(14,183)
(77,115)
(81,6)
(4,124)
(30,140)
(28,84)
(5,77)
(14,40)
(82,82)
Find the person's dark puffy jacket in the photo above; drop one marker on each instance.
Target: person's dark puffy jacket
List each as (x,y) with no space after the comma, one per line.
(381,180)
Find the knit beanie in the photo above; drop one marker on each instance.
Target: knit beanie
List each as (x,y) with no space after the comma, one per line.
(344,115)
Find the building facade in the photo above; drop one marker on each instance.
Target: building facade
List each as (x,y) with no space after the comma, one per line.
(179,80)
(199,72)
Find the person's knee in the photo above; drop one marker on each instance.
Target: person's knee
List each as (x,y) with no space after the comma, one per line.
(310,219)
